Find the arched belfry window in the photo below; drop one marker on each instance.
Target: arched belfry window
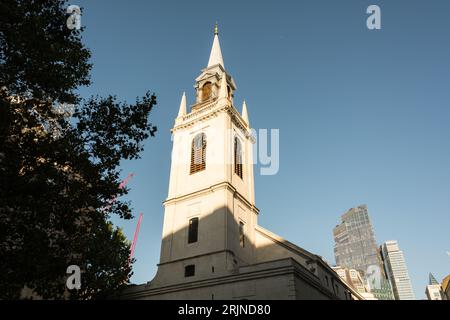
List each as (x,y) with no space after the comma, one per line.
(198,153)
(238,157)
(206,91)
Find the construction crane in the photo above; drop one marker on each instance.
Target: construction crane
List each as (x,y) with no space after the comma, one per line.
(136,232)
(121,186)
(126,180)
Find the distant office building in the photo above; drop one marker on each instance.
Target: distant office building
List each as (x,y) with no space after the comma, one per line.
(378,283)
(433,292)
(353,279)
(355,248)
(432,280)
(397,271)
(433,289)
(446,288)
(354,241)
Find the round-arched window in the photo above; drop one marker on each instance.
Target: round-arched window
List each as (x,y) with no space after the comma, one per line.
(198,153)
(206,91)
(238,159)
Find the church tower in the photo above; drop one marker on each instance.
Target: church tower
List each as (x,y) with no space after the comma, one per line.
(212,246)
(210,214)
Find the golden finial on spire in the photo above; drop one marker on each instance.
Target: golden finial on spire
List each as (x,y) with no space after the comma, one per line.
(216,29)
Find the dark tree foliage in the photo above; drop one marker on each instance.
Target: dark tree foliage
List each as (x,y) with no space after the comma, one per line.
(58,173)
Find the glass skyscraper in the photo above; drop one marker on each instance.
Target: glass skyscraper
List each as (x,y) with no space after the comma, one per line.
(355,248)
(354,241)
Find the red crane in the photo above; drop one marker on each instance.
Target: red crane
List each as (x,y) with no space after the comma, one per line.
(136,232)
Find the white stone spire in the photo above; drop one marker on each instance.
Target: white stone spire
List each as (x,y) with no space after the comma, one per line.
(216,54)
(182,111)
(244,112)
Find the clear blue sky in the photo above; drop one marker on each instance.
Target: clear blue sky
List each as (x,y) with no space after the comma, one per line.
(364,116)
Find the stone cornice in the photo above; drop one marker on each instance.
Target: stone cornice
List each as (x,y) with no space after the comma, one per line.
(197,256)
(290,266)
(210,110)
(221,185)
